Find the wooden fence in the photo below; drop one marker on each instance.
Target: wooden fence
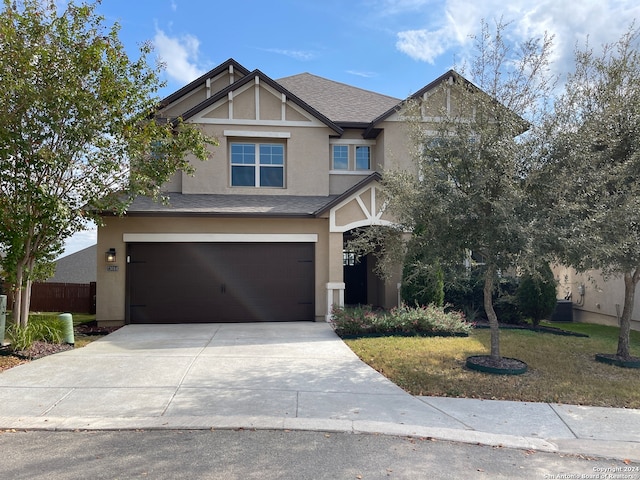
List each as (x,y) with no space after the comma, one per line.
(60,297)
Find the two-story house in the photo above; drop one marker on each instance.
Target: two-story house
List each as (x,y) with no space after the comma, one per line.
(258,233)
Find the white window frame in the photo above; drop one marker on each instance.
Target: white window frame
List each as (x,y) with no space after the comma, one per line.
(257,165)
(351,145)
(333,157)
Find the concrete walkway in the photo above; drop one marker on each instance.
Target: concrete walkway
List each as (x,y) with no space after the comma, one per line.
(297,376)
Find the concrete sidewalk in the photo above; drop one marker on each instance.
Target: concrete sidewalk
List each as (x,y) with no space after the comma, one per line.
(297,376)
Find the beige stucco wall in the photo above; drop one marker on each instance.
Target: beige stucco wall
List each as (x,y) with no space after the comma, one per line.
(111,285)
(598,304)
(306,164)
(396,146)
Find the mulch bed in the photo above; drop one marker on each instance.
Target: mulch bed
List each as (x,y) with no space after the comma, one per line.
(41,349)
(92,328)
(500,365)
(613,359)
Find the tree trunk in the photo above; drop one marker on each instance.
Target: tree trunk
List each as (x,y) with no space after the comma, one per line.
(630,282)
(491,313)
(22,294)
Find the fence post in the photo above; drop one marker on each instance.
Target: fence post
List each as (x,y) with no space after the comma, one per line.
(3,318)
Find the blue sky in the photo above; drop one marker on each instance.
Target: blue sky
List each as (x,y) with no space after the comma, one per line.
(394,47)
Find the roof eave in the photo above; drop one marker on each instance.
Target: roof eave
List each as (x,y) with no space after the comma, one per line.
(202,79)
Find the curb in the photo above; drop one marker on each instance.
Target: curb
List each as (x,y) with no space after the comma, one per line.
(602,449)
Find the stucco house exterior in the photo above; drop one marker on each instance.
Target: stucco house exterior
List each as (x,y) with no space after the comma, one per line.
(258,233)
(594,298)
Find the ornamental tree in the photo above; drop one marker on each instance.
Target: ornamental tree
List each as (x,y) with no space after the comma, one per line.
(593,165)
(467,194)
(79,132)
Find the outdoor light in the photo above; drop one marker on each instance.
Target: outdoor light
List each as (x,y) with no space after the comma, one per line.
(110,256)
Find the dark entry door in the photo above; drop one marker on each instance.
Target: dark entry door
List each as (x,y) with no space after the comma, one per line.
(355,280)
(220,282)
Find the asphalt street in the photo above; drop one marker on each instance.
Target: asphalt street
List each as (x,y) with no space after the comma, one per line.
(270,454)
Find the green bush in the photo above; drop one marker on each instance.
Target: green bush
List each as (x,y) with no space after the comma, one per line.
(537,294)
(422,284)
(41,328)
(467,295)
(429,319)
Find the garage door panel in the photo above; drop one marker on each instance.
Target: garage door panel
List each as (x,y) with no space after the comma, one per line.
(204,282)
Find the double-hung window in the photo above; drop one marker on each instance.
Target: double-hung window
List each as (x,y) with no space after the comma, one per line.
(257,165)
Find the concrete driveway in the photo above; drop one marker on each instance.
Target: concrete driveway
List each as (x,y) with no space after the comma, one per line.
(297,376)
(196,374)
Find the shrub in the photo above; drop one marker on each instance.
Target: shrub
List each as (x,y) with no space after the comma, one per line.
(537,294)
(466,294)
(422,284)
(429,319)
(43,328)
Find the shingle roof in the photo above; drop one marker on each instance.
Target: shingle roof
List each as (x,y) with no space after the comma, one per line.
(78,267)
(340,102)
(233,205)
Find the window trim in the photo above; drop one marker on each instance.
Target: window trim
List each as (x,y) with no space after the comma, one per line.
(257,165)
(333,157)
(352,145)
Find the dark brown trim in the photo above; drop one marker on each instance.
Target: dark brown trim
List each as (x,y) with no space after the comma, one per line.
(202,79)
(374,177)
(273,84)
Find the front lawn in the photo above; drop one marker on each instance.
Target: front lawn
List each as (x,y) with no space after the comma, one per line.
(562,369)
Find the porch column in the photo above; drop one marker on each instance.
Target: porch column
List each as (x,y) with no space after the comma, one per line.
(333,287)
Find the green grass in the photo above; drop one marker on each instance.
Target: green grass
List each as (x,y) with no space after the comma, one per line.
(562,369)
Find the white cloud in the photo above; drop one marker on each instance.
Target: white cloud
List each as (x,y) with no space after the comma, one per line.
(422,44)
(296,54)
(362,74)
(174,5)
(448,26)
(180,56)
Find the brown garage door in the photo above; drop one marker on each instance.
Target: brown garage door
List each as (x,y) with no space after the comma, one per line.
(220,282)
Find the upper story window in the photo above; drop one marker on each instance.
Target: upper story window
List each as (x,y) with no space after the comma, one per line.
(257,165)
(363,157)
(340,157)
(351,156)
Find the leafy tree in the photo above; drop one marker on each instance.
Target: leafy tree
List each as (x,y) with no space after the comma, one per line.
(79,132)
(468,194)
(537,294)
(594,163)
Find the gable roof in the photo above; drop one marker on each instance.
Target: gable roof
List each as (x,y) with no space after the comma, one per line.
(223,67)
(417,95)
(250,77)
(342,103)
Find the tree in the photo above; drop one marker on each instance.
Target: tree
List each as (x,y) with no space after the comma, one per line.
(79,132)
(469,195)
(537,294)
(593,161)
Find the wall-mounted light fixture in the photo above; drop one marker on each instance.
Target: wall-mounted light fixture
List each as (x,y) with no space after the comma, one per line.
(110,255)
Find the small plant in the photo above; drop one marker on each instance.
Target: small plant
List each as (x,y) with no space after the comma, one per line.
(43,328)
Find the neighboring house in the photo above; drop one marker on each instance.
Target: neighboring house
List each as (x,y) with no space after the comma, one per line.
(594,299)
(78,267)
(258,233)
